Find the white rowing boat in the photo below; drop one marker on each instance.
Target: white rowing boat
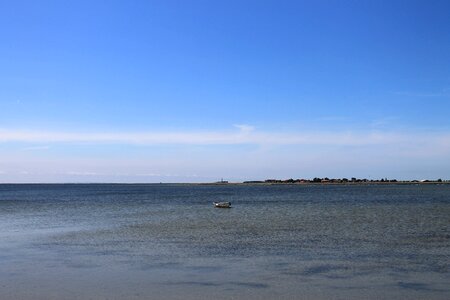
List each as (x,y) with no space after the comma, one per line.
(222,204)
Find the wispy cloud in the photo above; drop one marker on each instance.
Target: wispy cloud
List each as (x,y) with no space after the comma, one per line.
(302,153)
(382,122)
(32,148)
(244,135)
(244,128)
(83,173)
(122,174)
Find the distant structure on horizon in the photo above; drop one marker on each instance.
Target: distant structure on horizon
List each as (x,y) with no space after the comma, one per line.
(222,181)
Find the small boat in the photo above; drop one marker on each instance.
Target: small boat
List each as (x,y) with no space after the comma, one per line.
(222,204)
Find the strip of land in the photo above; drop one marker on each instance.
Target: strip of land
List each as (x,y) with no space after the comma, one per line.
(327,180)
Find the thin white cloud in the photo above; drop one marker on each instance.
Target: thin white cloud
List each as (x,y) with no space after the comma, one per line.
(245,135)
(382,122)
(83,173)
(244,128)
(279,154)
(32,148)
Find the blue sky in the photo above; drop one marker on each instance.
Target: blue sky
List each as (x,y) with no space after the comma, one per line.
(191,91)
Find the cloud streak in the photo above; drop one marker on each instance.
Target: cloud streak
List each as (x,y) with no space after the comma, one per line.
(278,154)
(244,135)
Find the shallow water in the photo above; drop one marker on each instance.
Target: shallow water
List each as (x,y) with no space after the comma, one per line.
(169,242)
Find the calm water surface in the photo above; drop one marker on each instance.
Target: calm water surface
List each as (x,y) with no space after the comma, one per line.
(168,242)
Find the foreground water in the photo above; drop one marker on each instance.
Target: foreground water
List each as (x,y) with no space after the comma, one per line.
(168,242)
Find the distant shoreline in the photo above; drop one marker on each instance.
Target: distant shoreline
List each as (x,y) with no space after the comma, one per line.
(329,183)
(253,183)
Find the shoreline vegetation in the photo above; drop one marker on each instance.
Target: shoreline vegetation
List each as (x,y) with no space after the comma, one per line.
(327,180)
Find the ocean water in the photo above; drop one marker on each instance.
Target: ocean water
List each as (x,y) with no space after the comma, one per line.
(161,241)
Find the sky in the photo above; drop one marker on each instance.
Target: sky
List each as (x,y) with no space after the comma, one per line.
(196,91)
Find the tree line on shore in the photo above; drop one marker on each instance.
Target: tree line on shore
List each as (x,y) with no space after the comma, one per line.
(344,180)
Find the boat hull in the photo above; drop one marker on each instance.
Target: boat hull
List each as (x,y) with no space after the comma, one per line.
(222,204)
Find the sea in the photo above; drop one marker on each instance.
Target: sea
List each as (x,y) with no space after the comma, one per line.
(168,241)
